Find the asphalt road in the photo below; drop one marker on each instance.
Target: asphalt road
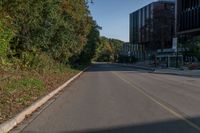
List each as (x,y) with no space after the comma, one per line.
(113,99)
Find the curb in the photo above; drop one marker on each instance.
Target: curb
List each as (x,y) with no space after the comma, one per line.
(177,74)
(10,124)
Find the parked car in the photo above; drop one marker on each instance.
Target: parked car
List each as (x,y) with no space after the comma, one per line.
(194,66)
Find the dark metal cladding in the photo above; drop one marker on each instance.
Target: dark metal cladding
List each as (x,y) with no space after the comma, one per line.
(188,17)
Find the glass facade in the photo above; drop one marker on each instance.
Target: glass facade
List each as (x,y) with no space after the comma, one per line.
(142,27)
(188,16)
(134,27)
(142,20)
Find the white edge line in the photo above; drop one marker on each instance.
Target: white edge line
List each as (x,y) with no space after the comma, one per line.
(10,124)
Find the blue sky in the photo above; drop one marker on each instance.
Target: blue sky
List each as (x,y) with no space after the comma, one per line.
(113,16)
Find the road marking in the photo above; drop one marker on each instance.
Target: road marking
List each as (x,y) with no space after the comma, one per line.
(159,103)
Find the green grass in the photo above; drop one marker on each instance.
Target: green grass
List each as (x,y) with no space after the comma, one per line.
(18,93)
(25,90)
(25,84)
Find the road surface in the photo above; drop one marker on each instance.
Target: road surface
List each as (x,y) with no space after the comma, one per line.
(113,99)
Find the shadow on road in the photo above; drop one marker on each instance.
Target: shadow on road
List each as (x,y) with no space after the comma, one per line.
(106,67)
(103,67)
(170,126)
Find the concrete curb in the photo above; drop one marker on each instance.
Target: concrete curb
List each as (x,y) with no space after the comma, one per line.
(10,124)
(177,74)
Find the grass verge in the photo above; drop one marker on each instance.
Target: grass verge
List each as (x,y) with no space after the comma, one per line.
(20,88)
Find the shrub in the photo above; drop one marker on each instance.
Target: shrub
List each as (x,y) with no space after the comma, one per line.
(6,35)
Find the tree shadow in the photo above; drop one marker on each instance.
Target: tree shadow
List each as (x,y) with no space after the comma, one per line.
(173,126)
(168,126)
(105,67)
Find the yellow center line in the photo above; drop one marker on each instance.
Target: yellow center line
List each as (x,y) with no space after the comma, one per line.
(159,103)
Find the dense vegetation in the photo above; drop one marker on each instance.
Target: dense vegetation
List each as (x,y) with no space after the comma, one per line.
(60,29)
(108,50)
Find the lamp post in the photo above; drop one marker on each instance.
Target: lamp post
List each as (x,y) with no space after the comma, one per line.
(177,64)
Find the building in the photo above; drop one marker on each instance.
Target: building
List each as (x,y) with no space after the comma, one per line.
(188,17)
(188,25)
(126,49)
(152,28)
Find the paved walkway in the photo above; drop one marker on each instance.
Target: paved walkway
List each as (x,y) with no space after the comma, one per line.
(173,71)
(178,72)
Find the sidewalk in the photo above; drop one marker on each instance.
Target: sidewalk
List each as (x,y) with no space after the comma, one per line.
(172,71)
(178,72)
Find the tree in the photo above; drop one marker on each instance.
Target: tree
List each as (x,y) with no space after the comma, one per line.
(108,49)
(93,40)
(192,47)
(6,35)
(62,29)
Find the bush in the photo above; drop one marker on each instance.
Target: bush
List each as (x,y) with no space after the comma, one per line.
(6,35)
(38,61)
(127,59)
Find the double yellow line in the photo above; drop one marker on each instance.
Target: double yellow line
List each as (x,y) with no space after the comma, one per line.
(175,113)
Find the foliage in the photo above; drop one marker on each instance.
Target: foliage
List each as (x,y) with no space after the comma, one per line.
(5,36)
(108,49)
(192,47)
(61,28)
(90,48)
(127,59)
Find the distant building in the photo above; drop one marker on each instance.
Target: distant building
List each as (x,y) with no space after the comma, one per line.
(188,17)
(151,24)
(126,49)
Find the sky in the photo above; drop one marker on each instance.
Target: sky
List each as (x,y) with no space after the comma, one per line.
(113,16)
